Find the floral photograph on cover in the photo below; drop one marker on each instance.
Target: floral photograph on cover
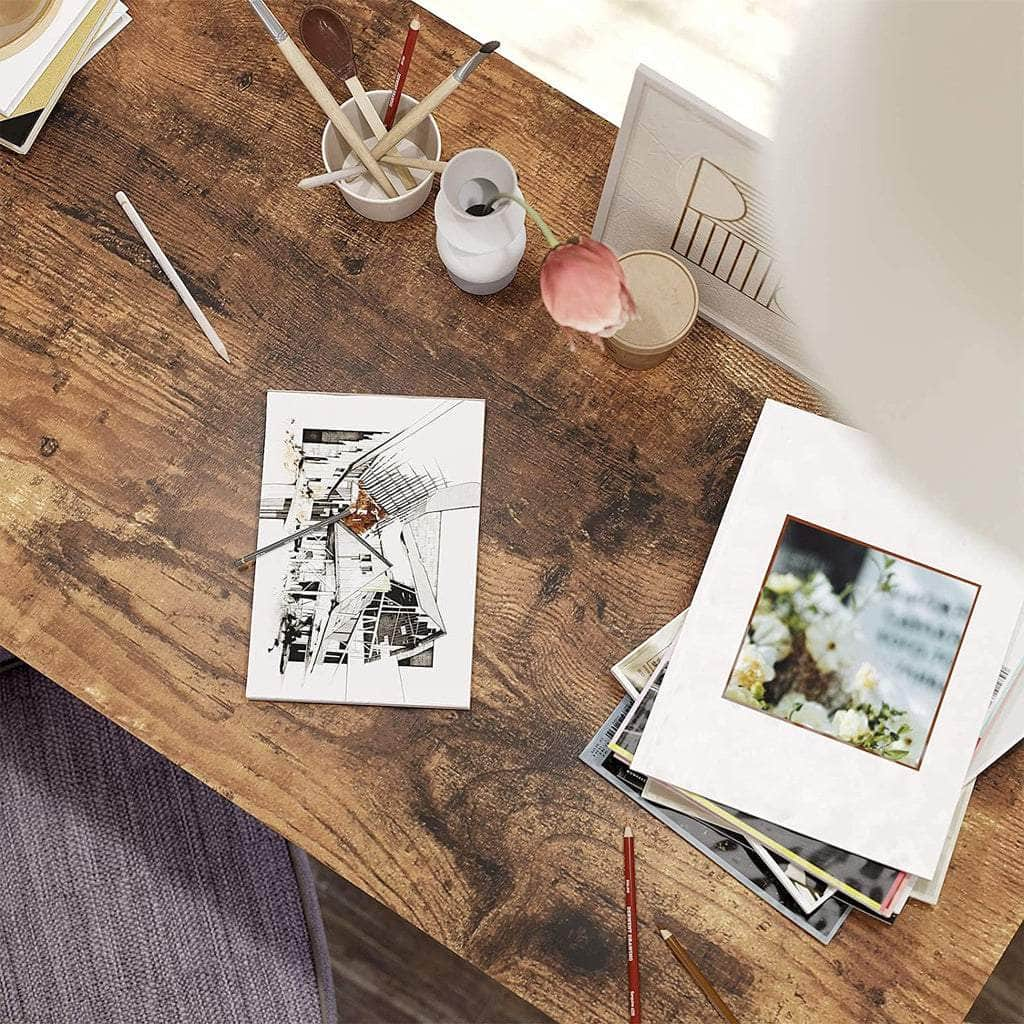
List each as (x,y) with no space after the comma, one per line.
(852,642)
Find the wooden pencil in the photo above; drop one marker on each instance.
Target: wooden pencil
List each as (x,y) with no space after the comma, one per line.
(632,936)
(691,968)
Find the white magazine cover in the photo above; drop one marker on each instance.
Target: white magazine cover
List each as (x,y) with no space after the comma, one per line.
(839,652)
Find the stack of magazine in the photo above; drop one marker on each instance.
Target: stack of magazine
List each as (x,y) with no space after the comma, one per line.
(39,55)
(851,661)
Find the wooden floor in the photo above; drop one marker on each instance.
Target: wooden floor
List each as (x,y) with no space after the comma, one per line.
(388,972)
(1002,999)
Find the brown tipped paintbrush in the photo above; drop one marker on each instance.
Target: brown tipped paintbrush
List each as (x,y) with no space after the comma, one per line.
(328,104)
(416,115)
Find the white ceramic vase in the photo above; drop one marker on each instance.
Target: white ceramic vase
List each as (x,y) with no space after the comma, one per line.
(480,253)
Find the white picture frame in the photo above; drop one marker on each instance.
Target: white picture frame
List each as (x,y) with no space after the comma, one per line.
(687,180)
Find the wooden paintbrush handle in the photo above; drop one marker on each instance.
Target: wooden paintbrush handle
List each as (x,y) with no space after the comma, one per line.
(415,161)
(415,116)
(354,172)
(372,118)
(329,105)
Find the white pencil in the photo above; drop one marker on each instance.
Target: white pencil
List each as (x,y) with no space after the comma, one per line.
(172,275)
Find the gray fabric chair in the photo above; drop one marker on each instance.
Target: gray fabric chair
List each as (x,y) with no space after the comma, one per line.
(130,893)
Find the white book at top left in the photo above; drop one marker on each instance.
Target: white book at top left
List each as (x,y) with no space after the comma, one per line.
(377,607)
(24,59)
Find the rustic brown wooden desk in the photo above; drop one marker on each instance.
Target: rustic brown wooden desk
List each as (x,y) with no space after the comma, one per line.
(129,480)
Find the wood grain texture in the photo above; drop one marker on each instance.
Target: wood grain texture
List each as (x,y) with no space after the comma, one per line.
(129,480)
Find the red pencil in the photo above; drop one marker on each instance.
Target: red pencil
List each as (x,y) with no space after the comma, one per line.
(632,938)
(403,70)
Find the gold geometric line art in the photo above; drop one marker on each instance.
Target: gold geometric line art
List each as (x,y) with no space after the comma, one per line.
(723,229)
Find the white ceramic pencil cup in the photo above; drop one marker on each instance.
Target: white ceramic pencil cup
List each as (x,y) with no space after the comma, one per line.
(480,253)
(363,194)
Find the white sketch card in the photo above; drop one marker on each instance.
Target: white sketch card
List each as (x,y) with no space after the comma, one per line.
(840,649)
(378,606)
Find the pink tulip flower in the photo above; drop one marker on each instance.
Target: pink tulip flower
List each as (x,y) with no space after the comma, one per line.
(581,281)
(583,287)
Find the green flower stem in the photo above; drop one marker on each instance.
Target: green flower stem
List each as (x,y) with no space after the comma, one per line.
(549,235)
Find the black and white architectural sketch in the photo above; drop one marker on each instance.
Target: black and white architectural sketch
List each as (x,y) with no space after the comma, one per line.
(378,606)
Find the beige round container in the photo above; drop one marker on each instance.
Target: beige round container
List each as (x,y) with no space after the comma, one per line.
(22,22)
(666,301)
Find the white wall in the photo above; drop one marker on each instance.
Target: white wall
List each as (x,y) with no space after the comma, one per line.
(728,52)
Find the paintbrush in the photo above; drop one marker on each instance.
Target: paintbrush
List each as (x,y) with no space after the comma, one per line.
(348,173)
(315,85)
(408,121)
(320,524)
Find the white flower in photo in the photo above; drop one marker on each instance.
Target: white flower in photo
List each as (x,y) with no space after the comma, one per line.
(741,695)
(865,686)
(816,599)
(813,715)
(751,672)
(828,641)
(905,742)
(751,668)
(850,725)
(800,709)
(787,702)
(771,636)
(782,582)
